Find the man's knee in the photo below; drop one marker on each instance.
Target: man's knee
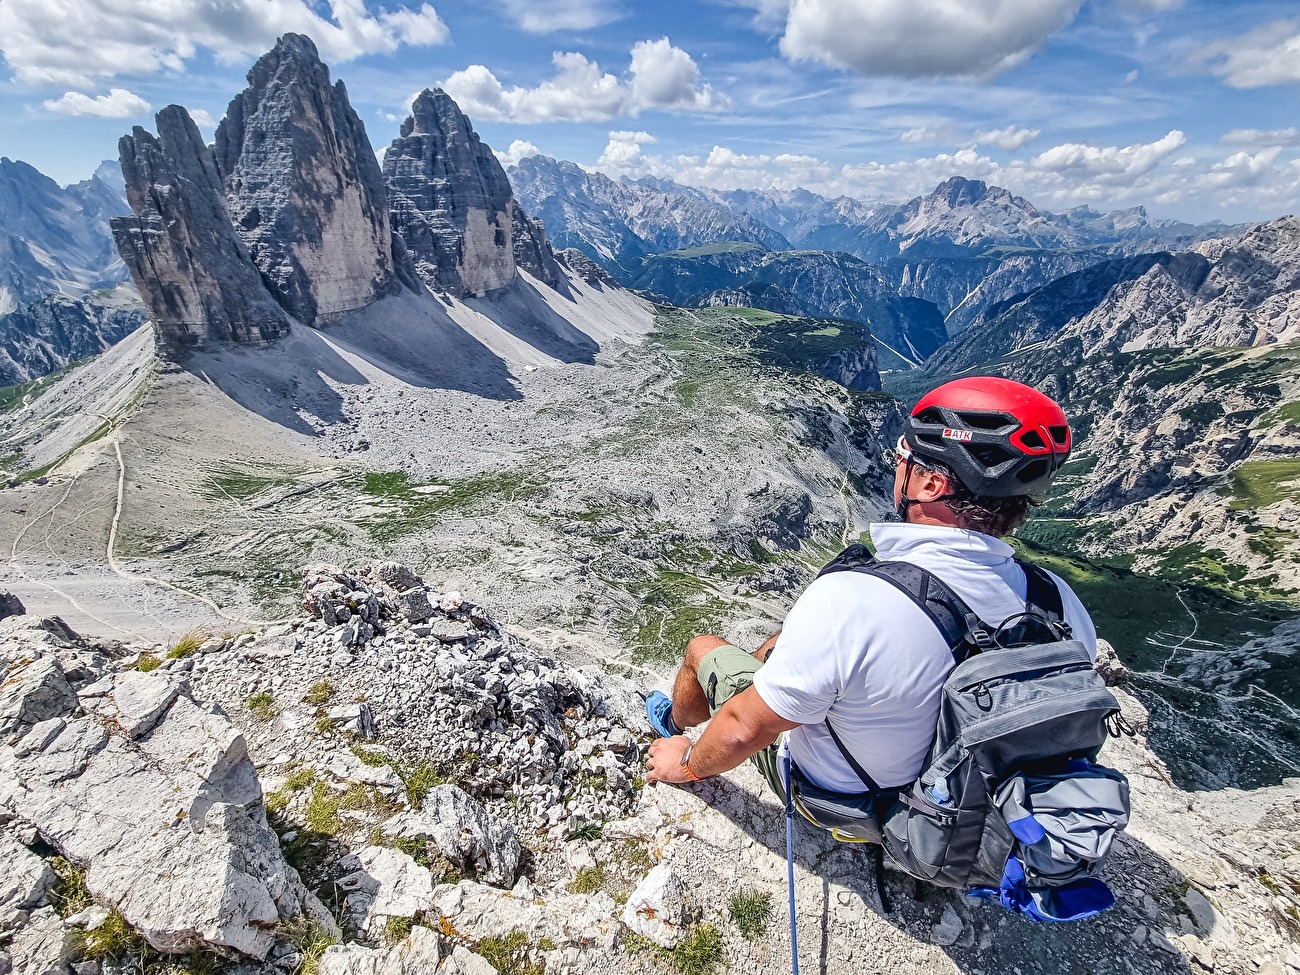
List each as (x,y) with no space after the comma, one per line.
(700,647)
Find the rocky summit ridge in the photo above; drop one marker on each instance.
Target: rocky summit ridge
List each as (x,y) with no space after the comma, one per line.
(393,782)
(288,217)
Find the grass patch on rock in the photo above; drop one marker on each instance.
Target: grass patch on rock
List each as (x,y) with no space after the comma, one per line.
(509,955)
(751,910)
(262,705)
(1260,483)
(699,953)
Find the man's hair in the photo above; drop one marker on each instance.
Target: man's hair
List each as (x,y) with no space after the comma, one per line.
(992,516)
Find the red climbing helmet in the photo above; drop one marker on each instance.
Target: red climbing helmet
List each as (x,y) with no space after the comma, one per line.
(1002,438)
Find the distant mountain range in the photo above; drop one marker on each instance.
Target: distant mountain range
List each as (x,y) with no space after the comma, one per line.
(55,238)
(962,247)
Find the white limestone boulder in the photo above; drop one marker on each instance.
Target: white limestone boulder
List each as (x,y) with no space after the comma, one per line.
(384,883)
(169,825)
(657,908)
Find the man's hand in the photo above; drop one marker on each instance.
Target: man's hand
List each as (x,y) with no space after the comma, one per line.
(664,761)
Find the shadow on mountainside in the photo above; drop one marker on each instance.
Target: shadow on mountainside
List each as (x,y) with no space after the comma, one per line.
(522,312)
(408,337)
(1135,935)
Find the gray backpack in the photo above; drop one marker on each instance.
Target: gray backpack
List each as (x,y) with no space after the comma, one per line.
(1010,805)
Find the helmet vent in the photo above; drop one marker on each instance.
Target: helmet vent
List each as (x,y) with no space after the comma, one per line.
(1032,440)
(931,415)
(989,455)
(1060,434)
(1034,470)
(988,421)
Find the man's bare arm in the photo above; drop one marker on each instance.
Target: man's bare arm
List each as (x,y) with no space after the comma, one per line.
(743,726)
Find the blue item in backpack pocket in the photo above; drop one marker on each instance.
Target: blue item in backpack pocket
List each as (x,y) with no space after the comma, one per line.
(1075,901)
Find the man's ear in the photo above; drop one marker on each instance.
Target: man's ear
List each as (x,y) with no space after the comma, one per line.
(928,485)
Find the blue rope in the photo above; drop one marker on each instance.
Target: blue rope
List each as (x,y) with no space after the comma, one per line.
(789,858)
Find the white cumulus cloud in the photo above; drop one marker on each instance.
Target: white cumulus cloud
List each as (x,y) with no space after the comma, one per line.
(118,103)
(1240,169)
(519,149)
(1262,137)
(622,152)
(1010,138)
(546,16)
(660,76)
(922,38)
(73,42)
(1268,55)
(1107,163)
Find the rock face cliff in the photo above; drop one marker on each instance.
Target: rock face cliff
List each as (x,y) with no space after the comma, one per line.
(196,276)
(451,201)
(304,188)
(533,252)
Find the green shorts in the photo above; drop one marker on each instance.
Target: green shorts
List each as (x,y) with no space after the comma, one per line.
(723,674)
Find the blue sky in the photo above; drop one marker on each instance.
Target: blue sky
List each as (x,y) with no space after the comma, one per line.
(1188,107)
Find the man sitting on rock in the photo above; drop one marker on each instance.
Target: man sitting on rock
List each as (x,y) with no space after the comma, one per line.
(854,648)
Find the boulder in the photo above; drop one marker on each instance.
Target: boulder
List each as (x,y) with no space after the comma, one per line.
(1109,665)
(656,909)
(303,186)
(462,830)
(11,605)
(384,883)
(169,824)
(32,691)
(25,882)
(43,946)
(417,954)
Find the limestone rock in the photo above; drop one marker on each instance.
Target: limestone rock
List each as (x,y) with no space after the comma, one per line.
(384,883)
(1109,665)
(657,908)
(587,269)
(11,605)
(478,912)
(195,275)
(133,701)
(169,826)
(532,250)
(452,203)
(461,829)
(43,946)
(303,186)
(32,691)
(25,881)
(419,953)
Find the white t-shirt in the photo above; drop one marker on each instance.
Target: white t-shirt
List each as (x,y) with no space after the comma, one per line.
(857,649)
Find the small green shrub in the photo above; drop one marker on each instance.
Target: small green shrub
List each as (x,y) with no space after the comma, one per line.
(509,955)
(70,894)
(589,880)
(311,938)
(323,809)
(147,661)
(420,780)
(319,693)
(299,779)
(397,928)
(587,831)
(263,706)
(699,953)
(751,911)
(187,644)
(546,944)
(114,938)
(324,725)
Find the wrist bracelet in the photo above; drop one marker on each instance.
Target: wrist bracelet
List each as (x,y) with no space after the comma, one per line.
(686,763)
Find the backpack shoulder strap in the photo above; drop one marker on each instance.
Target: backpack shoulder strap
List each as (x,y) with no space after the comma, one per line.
(1042,595)
(962,630)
